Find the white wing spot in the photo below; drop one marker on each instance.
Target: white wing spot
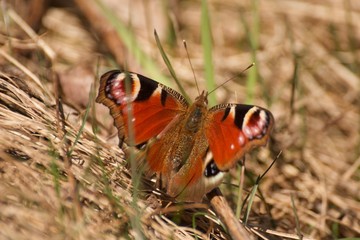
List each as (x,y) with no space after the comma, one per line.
(116,84)
(247,132)
(241,140)
(158,90)
(232,112)
(248,115)
(136,87)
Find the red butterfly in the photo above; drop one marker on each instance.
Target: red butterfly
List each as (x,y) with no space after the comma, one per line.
(188,145)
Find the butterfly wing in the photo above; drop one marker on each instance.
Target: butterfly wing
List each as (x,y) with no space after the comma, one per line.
(135,100)
(234,129)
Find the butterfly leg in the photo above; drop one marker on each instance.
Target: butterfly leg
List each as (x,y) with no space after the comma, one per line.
(159,183)
(121,141)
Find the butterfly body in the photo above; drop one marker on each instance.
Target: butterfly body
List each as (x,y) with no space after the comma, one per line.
(188,145)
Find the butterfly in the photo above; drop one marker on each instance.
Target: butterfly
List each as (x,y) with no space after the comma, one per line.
(189,146)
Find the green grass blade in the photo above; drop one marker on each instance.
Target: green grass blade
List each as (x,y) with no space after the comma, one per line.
(251,200)
(135,173)
(206,41)
(297,221)
(354,238)
(90,102)
(132,45)
(239,204)
(54,170)
(169,66)
(254,43)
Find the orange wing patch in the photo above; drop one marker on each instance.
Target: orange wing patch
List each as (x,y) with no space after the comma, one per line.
(235,129)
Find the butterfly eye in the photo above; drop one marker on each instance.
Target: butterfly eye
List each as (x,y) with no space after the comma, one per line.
(211,169)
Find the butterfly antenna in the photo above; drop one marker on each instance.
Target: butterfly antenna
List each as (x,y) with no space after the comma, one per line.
(232,78)
(192,69)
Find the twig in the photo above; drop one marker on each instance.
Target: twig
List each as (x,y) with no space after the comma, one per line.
(29,31)
(104,30)
(74,191)
(226,215)
(25,70)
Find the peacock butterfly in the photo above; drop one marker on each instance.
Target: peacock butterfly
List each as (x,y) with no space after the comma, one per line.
(188,145)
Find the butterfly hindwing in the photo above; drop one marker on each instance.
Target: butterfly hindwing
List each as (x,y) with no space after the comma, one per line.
(188,147)
(151,105)
(234,129)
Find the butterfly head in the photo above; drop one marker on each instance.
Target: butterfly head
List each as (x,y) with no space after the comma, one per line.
(202,99)
(197,113)
(188,145)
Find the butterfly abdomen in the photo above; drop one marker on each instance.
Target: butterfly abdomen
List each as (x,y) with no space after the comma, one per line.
(189,146)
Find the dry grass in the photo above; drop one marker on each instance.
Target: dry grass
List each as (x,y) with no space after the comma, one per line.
(308,62)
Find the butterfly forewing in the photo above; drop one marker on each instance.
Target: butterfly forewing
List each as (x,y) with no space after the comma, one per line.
(234,129)
(153,105)
(189,147)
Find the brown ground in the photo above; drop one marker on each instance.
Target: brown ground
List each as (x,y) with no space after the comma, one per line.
(54,185)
